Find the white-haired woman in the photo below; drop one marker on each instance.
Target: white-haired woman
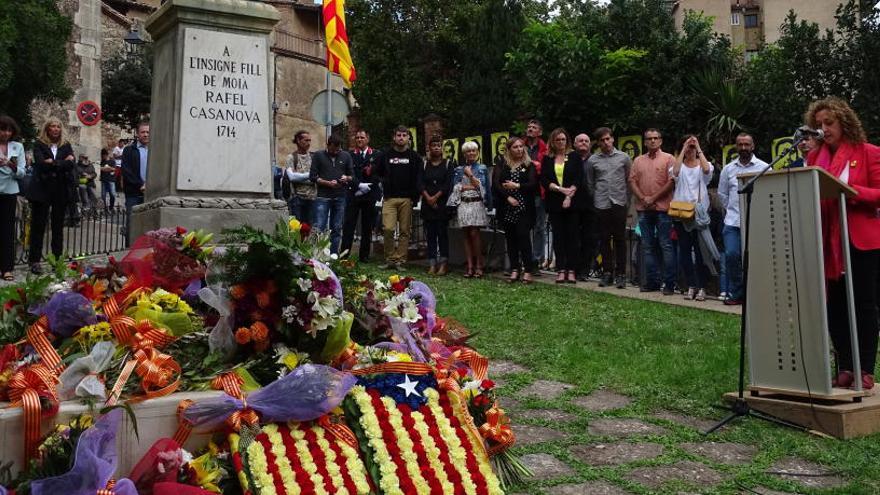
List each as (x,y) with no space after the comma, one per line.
(471,193)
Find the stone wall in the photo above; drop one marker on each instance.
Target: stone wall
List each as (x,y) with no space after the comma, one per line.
(819,11)
(297,83)
(112,35)
(83,76)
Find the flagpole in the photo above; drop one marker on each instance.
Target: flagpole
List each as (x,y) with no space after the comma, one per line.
(329,120)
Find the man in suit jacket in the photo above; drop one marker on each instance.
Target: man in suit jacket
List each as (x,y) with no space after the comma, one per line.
(361,201)
(134,173)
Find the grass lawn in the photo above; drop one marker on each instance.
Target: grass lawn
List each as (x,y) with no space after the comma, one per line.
(664,357)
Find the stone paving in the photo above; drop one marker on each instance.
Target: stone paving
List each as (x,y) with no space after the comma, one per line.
(618,444)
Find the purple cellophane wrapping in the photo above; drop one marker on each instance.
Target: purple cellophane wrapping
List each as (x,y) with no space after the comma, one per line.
(94,463)
(403,334)
(67,313)
(427,304)
(305,394)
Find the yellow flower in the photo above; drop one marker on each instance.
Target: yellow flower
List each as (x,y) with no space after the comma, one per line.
(407,447)
(285,470)
(447,432)
(259,468)
(394,278)
(432,452)
(207,472)
(388,480)
(294,224)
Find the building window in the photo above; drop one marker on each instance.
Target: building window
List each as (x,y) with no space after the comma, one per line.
(751,20)
(734,19)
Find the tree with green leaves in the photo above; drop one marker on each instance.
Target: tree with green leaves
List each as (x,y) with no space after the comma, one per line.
(33,57)
(127,83)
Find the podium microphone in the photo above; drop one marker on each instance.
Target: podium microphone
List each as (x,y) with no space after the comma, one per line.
(805,131)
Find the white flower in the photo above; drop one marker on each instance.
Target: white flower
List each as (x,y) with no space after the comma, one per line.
(289,313)
(334,256)
(322,272)
(401,306)
(304,285)
(471,385)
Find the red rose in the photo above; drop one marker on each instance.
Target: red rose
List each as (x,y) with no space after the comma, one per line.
(180,230)
(305,229)
(487,384)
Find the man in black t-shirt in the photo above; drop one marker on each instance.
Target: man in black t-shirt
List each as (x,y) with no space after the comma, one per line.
(399,168)
(108,179)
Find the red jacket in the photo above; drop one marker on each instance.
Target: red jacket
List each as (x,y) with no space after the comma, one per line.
(862,211)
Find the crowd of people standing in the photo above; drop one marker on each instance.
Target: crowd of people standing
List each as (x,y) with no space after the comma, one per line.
(60,187)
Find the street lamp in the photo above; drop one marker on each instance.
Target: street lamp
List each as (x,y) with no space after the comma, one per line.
(133,39)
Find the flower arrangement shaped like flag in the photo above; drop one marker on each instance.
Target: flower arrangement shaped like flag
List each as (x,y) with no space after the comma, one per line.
(338,54)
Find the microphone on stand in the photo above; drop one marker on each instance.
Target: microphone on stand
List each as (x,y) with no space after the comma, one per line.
(800,135)
(804,132)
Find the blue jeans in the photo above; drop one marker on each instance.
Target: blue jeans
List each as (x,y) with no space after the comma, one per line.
(733,261)
(655,227)
(108,188)
(334,210)
(690,258)
(130,202)
(301,208)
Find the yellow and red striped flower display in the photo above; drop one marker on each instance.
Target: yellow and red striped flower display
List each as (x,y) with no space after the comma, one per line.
(298,458)
(425,448)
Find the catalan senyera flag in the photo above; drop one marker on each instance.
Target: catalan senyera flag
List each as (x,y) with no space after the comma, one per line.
(338,54)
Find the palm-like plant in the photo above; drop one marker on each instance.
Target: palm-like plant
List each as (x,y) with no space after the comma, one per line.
(725,103)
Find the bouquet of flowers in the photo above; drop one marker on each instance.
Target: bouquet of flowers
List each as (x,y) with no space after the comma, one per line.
(168,258)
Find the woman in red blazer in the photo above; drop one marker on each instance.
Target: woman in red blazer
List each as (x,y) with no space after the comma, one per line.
(845,153)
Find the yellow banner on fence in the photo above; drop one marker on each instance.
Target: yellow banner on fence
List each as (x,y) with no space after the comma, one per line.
(414,139)
(450,149)
(729,154)
(779,147)
(499,146)
(631,145)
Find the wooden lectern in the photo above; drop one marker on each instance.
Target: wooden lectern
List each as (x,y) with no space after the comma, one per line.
(786,321)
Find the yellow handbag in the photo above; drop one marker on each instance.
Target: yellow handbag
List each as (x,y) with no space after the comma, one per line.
(683,210)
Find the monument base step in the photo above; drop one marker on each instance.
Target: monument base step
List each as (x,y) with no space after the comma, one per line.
(211,214)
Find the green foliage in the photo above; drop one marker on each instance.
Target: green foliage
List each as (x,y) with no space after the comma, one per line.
(806,64)
(419,57)
(724,102)
(33,56)
(127,80)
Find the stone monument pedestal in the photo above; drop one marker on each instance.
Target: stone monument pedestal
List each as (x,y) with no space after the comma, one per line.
(209,161)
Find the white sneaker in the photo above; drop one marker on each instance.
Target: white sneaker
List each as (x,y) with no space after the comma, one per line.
(701,295)
(723,296)
(690,293)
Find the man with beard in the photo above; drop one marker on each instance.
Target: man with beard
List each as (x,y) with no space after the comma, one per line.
(728,193)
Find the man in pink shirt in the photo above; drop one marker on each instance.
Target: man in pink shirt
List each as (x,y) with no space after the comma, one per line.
(652,185)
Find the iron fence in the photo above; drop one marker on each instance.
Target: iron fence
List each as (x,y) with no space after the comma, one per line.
(88,231)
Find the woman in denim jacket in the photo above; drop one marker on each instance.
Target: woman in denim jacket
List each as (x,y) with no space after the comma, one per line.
(471,192)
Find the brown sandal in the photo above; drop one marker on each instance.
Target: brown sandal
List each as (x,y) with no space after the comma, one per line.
(527,278)
(514,276)
(478,273)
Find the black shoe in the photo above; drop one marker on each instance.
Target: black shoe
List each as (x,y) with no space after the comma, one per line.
(583,278)
(605,281)
(648,289)
(36,269)
(620,282)
(668,291)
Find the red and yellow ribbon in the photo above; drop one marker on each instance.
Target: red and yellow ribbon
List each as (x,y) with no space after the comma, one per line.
(38,337)
(409,368)
(339,430)
(26,387)
(497,429)
(184,427)
(159,373)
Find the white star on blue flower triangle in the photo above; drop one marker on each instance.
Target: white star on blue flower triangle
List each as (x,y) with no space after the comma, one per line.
(409,386)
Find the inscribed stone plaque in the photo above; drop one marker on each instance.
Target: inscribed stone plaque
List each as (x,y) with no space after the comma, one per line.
(224,113)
